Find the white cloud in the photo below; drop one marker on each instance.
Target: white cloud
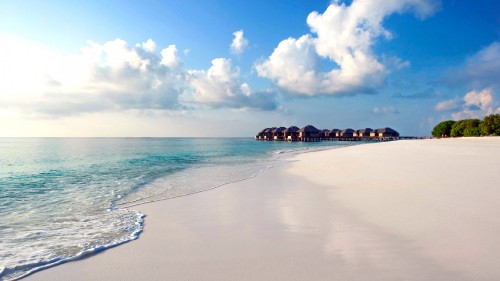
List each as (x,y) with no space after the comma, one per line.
(345,36)
(115,76)
(475,104)
(293,66)
(109,76)
(482,99)
(239,42)
(480,70)
(448,105)
(170,57)
(149,46)
(386,110)
(220,86)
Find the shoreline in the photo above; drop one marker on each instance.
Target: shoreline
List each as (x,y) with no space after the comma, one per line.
(294,221)
(281,156)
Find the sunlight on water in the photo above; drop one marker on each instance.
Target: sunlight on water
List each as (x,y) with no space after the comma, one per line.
(62,198)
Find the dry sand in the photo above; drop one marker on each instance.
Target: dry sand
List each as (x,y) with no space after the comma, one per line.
(405,210)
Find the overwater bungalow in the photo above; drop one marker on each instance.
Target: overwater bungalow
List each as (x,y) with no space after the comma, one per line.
(386,133)
(363,133)
(324,133)
(311,133)
(291,133)
(278,133)
(347,133)
(308,133)
(268,133)
(333,133)
(260,135)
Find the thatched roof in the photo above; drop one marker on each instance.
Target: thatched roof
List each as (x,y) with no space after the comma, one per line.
(291,129)
(279,130)
(309,129)
(386,130)
(269,130)
(365,131)
(347,131)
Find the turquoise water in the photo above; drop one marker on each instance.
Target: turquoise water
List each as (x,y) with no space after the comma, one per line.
(63,198)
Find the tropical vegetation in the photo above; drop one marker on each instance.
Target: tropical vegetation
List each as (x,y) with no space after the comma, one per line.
(489,126)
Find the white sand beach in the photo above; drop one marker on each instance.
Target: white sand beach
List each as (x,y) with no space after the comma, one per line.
(403,210)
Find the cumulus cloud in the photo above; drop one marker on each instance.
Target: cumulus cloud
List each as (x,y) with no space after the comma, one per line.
(116,76)
(480,70)
(148,46)
(344,36)
(293,66)
(386,110)
(109,76)
(475,104)
(239,42)
(221,86)
(170,57)
(482,99)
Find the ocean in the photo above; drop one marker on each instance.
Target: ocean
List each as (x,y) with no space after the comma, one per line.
(64,198)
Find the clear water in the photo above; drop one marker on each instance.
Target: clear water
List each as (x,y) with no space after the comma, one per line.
(63,198)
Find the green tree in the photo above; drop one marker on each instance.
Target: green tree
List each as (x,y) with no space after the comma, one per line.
(443,128)
(472,132)
(491,125)
(466,128)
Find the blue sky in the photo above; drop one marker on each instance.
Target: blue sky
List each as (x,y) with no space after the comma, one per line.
(230,68)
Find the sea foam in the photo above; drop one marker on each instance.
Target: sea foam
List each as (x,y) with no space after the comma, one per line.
(62,199)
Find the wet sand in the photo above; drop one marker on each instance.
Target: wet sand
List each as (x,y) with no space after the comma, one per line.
(405,210)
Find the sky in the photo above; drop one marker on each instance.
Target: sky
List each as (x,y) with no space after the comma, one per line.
(224,68)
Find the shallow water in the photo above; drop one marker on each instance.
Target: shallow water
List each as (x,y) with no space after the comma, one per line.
(62,198)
